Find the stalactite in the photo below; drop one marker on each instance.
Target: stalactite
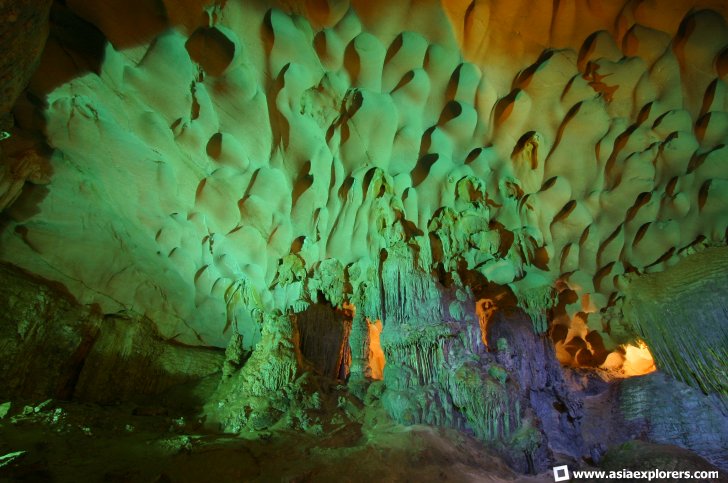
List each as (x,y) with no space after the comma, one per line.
(425,385)
(409,294)
(694,355)
(328,279)
(418,347)
(484,402)
(244,312)
(536,301)
(290,292)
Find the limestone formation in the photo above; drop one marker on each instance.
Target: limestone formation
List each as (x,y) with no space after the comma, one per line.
(438,204)
(211,156)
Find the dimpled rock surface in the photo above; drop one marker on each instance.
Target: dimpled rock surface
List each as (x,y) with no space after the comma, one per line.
(215,163)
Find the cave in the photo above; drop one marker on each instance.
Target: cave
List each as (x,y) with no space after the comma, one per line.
(363,240)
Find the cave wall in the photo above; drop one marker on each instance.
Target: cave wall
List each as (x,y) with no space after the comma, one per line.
(234,157)
(324,339)
(505,386)
(654,407)
(683,314)
(52,347)
(23,32)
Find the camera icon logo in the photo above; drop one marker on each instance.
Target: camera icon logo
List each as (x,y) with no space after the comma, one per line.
(561,473)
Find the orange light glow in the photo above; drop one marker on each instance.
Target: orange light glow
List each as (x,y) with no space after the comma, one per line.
(577,345)
(630,360)
(376,354)
(485,308)
(348,309)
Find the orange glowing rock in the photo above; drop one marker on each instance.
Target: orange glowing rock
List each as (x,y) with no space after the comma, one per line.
(376,354)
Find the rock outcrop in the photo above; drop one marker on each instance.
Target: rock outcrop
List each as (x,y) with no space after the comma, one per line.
(52,347)
(23,32)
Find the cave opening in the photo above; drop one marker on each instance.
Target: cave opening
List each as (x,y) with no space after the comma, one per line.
(324,339)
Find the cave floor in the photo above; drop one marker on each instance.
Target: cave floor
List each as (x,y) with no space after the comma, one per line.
(75,442)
